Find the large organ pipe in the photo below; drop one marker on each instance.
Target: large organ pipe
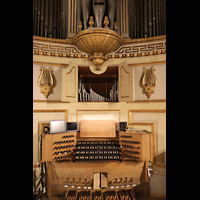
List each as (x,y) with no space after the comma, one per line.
(138,18)
(58,18)
(46,19)
(154,17)
(38,18)
(147,18)
(50,18)
(35,18)
(135,19)
(54,18)
(42,17)
(157,25)
(33,15)
(150,19)
(141,19)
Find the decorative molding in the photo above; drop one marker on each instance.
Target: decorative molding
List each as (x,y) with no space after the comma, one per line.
(46,48)
(73,70)
(53,111)
(145,40)
(146,64)
(98,43)
(144,111)
(152,48)
(48,81)
(123,70)
(130,48)
(148,81)
(95,111)
(136,101)
(149,101)
(52,40)
(50,64)
(49,101)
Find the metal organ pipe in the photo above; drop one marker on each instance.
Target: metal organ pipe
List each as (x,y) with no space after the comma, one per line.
(146,18)
(85,96)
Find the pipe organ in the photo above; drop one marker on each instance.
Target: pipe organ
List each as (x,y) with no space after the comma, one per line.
(134,18)
(99,166)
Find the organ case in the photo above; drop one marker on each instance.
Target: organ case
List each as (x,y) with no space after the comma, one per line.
(122,156)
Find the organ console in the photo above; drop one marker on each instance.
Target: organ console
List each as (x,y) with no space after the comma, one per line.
(73,159)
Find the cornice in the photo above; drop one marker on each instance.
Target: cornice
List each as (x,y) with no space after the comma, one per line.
(53,40)
(130,48)
(144,40)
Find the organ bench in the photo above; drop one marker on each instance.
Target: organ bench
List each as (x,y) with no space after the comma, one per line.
(97,162)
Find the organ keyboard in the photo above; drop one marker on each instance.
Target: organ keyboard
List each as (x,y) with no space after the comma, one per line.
(122,157)
(91,151)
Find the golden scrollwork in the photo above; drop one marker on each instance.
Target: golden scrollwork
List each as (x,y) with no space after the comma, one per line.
(46,75)
(148,81)
(98,42)
(130,47)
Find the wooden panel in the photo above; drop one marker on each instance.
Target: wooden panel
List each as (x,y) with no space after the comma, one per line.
(98,115)
(47,148)
(141,150)
(125,92)
(146,151)
(97,128)
(61,174)
(155,120)
(70,83)
(48,145)
(125,83)
(60,171)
